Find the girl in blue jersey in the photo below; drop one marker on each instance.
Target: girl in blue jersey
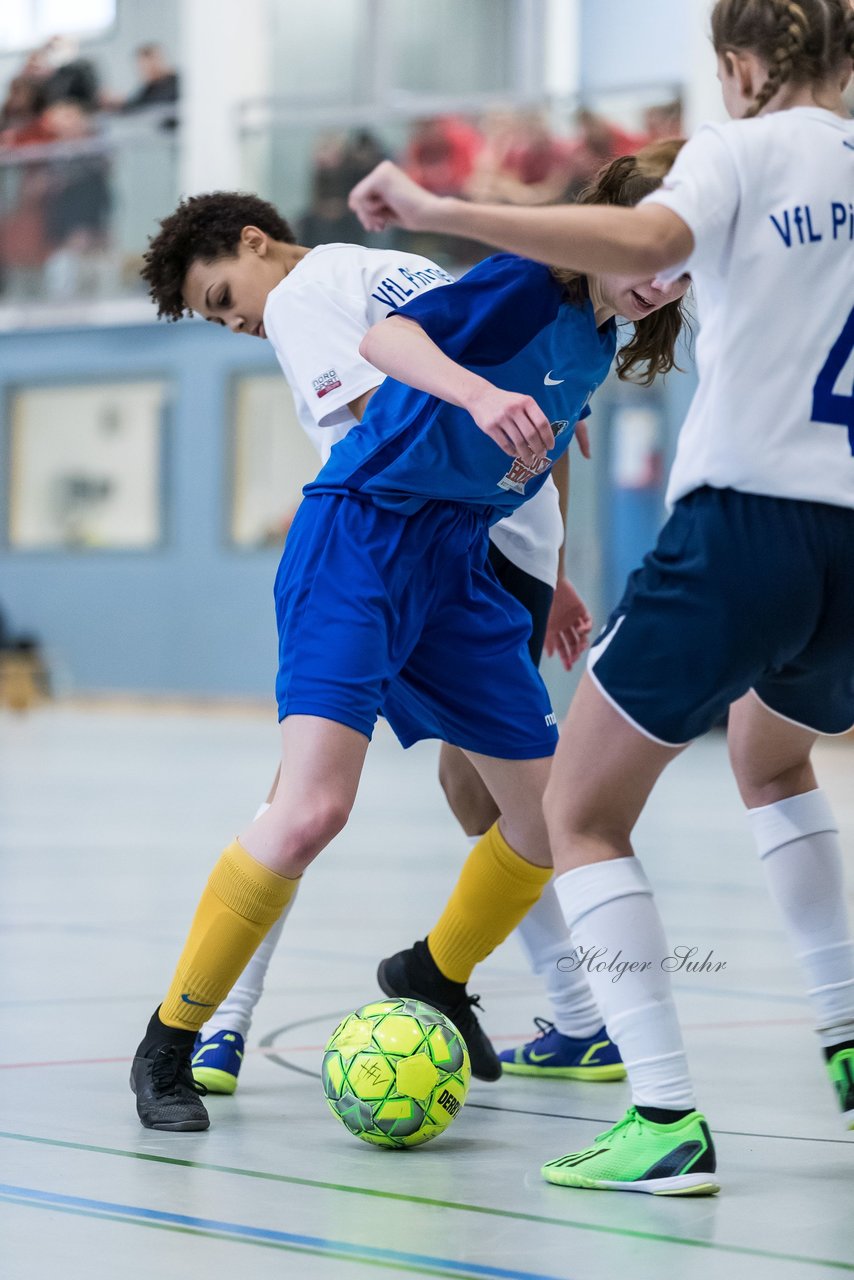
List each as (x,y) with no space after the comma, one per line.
(747,600)
(387,604)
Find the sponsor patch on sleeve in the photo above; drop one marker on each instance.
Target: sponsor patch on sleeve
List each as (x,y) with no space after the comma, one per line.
(328,381)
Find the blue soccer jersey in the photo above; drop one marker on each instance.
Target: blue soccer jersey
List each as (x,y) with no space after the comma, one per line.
(508,320)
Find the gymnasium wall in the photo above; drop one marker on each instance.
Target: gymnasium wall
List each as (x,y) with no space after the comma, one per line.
(193,614)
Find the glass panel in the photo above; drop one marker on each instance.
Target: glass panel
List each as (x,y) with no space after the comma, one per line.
(85,466)
(319,50)
(27,23)
(308,173)
(273,459)
(451,46)
(75,216)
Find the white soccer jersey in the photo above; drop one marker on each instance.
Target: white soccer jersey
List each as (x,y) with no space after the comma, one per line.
(315,320)
(770,202)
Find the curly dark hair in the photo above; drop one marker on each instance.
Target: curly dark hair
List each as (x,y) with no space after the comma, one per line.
(652,347)
(203,228)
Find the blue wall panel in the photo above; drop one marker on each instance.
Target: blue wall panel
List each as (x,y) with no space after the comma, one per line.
(195,615)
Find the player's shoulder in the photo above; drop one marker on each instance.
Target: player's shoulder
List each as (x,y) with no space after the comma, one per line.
(806,126)
(330,261)
(505,278)
(325,269)
(510,266)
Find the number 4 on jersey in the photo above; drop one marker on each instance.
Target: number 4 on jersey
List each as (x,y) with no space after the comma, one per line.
(828,404)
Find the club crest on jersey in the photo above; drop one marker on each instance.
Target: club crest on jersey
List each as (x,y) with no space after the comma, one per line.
(520,472)
(328,381)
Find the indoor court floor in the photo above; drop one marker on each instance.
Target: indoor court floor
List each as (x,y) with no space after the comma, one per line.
(110,818)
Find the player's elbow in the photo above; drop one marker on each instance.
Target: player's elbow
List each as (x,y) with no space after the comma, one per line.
(368,345)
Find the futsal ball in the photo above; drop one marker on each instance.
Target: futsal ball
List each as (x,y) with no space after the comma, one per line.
(396,1073)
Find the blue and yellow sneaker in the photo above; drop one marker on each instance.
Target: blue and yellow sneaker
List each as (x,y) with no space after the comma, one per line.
(637,1154)
(552,1054)
(216,1061)
(840,1068)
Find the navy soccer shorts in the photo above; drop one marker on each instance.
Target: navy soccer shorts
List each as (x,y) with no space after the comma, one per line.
(741,592)
(402,616)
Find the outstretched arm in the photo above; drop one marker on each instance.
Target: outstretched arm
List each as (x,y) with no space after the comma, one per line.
(592,238)
(516,423)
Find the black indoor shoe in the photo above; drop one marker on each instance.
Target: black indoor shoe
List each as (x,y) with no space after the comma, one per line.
(414,974)
(167,1096)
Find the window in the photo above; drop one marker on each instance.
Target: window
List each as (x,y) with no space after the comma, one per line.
(25,24)
(273,459)
(85,467)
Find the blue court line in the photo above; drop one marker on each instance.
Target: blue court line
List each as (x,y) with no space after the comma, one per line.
(260,1235)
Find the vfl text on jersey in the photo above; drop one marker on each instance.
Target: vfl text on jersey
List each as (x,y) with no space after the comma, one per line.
(804,225)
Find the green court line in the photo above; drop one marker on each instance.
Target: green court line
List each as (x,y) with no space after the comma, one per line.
(224,1235)
(486,1210)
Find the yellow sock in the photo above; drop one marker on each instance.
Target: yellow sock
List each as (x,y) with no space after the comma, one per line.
(241,901)
(496,889)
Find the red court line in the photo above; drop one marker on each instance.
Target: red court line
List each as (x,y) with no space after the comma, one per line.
(318,1048)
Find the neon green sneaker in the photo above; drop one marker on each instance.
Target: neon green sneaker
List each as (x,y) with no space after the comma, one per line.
(840,1068)
(639,1155)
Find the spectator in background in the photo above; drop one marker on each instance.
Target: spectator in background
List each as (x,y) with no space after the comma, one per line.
(521,161)
(340,161)
(77,203)
(599,142)
(20,114)
(158,85)
(441,154)
(158,80)
(63,75)
(664,120)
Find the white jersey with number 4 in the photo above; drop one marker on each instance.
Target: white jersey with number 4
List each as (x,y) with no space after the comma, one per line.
(770,202)
(315,320)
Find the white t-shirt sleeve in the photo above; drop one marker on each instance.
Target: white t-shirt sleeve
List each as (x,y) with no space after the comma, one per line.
(703,189)
(321,343)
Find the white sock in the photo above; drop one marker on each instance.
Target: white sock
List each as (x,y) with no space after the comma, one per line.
(545,941)
(235,1012)
(544,938)
(798,842)
(613,920)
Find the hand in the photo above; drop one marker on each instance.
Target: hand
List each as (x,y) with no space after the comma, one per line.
(387,197)
(569,625)
(514,421)
(582,435)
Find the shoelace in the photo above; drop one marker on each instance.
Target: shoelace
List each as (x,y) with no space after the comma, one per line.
(465,1007)
(171,1068)
(544,1027)
(630,1118)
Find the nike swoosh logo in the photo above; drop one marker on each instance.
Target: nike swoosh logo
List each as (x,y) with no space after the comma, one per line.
(552,382)
(540,1057)
(201,1004)
(588,1059)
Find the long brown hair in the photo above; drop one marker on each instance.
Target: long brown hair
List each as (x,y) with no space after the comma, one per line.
(800,41)
(652,348)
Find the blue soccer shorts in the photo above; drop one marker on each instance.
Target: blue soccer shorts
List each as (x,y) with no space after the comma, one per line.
(381,613)
(741,592)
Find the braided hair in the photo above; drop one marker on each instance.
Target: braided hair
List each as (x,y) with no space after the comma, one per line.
(800,41)
(652,348)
